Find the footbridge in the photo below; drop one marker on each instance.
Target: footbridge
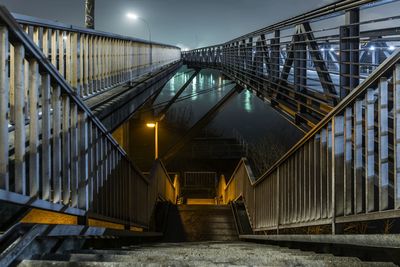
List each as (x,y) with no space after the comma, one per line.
(71,194)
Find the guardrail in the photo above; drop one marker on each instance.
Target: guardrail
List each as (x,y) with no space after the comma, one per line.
(93,61)
(307,64)
(346,169)
(58,156)
(164,187)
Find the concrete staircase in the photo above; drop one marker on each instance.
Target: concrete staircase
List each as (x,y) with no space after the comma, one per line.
(196,254)
(200,223)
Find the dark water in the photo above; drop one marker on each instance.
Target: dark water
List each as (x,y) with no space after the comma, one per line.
(245,113)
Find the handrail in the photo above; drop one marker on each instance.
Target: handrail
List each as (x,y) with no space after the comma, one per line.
(371,81)
(64,159)
(331,176)
(45,23)
(46,66)
(93,61)
(162,185)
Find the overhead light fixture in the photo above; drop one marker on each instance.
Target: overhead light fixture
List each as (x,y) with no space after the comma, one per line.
(132,16)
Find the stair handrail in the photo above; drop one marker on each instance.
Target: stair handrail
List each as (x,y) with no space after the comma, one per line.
(113,158)
(372,80)
(7,18)
(282,174)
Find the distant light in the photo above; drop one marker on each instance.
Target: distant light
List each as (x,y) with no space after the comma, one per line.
(322,49)
(391,48)
(332,49)
(151,125)
(132,16)
(65,37)
(372,48)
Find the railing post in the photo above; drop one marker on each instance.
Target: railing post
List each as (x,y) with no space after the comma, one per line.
(337,170)
(383,135)
(396,135)
(278,196)
(33,128)
(370,151)
(358,157)
(19,88)
(66,150)
(4,109)
(56,157)
(348,161)
(82,161)
(74,155)
(46,157)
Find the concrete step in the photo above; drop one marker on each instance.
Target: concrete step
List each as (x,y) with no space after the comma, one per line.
(197,254)
(201,223)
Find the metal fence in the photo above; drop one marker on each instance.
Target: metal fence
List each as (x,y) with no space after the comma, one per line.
(200,179)
(305,65)
(346,169)
(93,61)
(54,153)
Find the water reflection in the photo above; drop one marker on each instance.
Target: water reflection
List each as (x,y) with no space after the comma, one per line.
(246,113)
(248,101)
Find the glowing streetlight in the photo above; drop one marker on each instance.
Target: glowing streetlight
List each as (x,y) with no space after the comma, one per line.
(155,126)
(132,16)
(392,48)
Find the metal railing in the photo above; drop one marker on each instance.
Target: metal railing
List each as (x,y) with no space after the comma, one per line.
(164,187)
(58,156)
(346,169)
(305,65)
(200,179)
(93,61)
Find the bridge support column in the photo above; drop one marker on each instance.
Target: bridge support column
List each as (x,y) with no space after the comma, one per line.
(275,56)
(300,65)
(349,53)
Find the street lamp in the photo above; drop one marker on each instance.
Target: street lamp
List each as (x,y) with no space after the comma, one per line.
(133,16)
(155,126)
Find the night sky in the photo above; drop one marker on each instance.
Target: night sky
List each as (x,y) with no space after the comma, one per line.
(186,23)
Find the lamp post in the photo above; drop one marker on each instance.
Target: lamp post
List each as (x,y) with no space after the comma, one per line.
(155,126)
(89,14)
(133,16)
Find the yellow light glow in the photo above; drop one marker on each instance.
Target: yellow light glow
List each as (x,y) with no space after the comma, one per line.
(151,125)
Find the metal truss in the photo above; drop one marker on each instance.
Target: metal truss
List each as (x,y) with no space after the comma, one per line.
(306,65)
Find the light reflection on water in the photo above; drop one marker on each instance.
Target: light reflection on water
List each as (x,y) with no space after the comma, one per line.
(247,102)
(246,113)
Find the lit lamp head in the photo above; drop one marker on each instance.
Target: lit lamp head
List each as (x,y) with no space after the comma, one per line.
(132,16)
(151,124)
